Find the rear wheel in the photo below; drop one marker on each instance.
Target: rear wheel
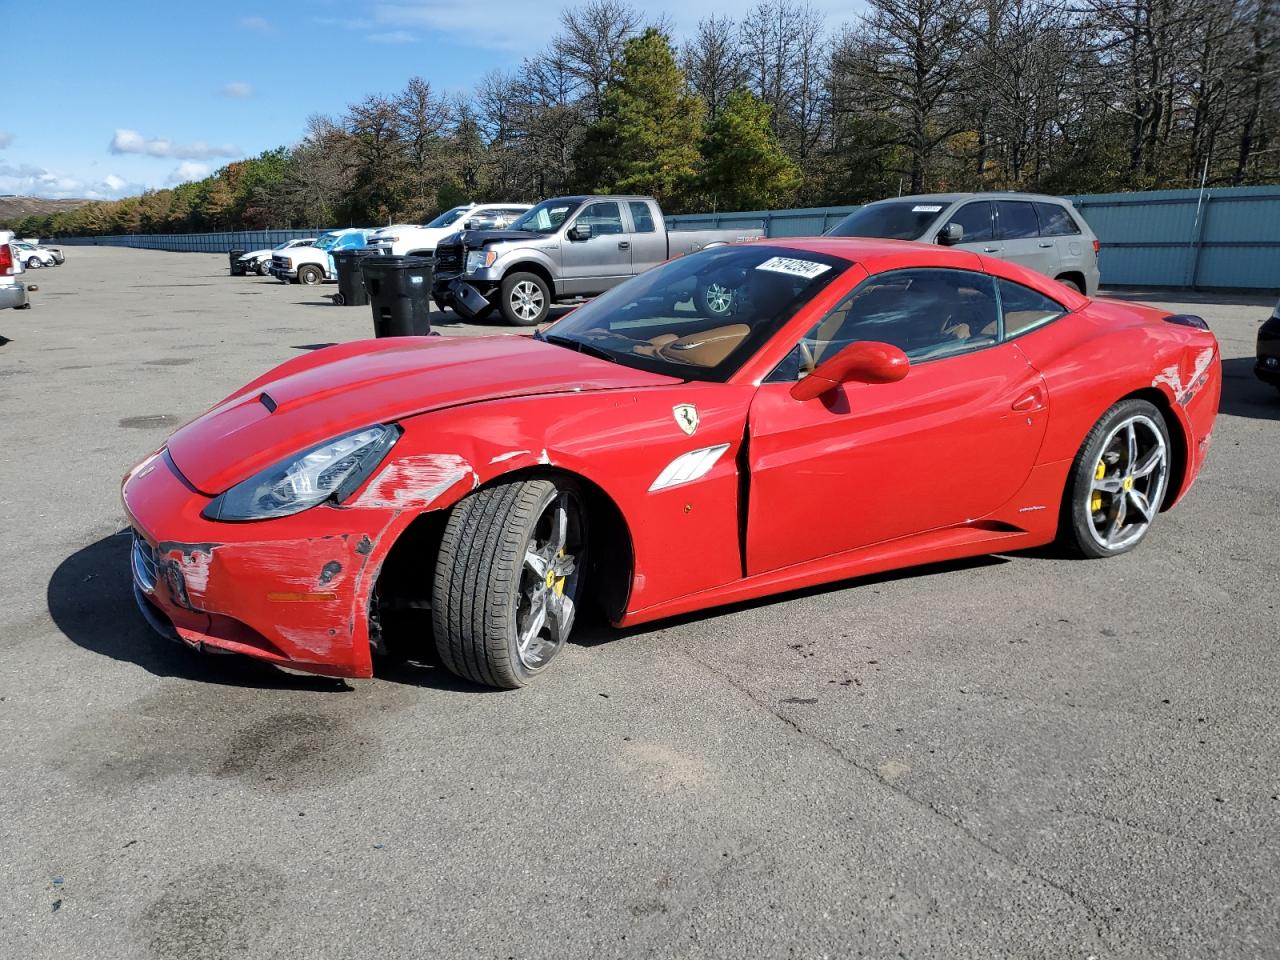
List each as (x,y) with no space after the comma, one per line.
(310,275)
(1071,282)
(508,580)
(1118,481)
(525,299)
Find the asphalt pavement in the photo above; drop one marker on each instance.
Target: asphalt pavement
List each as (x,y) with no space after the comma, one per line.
(1019,756)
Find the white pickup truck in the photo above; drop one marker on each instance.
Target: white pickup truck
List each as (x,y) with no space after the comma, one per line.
(403,239)
(314,264)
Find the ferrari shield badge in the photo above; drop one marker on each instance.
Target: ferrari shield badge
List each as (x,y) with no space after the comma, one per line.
(686,415)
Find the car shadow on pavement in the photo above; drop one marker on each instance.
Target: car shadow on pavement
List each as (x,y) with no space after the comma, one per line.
(90,598)
(1244,395)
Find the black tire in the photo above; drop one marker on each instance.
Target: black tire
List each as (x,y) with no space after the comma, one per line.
(309,275)
(1078,518)
(263,268)
(713,299)
(534,299)
(1072,283)
(33,263)
(483,591)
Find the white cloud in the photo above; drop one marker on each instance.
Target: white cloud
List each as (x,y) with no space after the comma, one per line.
(260,24)
(28,180)
(130,141)
(238,89)
(6,138)
(188,170)
(395,36)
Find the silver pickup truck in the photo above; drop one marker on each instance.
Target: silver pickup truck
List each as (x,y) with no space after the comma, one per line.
(566,248)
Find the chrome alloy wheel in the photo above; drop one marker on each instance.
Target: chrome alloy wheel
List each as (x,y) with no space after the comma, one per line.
(549,580)
(1128,483)
(719,298)
(526,300)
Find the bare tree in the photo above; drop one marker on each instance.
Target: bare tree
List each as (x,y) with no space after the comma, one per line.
(712,61)
(589,45)
(905,63)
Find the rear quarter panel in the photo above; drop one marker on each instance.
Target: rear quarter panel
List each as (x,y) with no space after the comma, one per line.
(1108,350)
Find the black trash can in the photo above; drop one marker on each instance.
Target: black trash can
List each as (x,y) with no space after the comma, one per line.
(346,264)
(399,295)
(237,268)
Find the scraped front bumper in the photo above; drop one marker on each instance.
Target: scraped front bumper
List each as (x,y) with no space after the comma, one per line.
(290,590)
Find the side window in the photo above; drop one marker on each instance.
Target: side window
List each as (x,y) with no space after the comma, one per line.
(927,313)
(1017,220)
(641,216)
(975,219)
(1056,221)
(604,217)
(1023,309)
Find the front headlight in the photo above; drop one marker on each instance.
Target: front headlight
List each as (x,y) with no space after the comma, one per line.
(331,471)
(386,240)
(479,259)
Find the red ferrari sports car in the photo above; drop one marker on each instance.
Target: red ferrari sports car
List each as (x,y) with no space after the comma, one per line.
(843,407)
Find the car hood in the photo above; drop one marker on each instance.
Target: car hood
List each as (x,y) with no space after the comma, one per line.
(478,239)
(254,254)
(310,399)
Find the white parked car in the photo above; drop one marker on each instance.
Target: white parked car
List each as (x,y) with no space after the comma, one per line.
(34,257)
(402,239)
(259,261)
(13,292)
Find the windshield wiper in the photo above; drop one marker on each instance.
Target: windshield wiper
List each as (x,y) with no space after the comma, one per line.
(578,345)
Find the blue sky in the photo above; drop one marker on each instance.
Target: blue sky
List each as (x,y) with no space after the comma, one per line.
(116,96)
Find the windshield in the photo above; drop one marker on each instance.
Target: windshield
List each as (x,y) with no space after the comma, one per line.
(702,316)
(448,217)
(547,216)
(328,240)
(896,220)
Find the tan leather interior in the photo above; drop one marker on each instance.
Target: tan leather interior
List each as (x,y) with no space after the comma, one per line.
(705,348)
(1015,321)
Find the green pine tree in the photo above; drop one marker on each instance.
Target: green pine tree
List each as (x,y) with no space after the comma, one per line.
(646,140)
(745,168)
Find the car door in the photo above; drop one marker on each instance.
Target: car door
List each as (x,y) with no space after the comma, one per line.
(977,219)
(1018,233)
(593,266)
(648,238)
(947,445)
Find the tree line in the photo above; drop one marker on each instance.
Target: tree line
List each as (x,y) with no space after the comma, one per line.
(774,109)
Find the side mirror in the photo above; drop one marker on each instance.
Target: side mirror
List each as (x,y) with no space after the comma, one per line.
(580,231)
(951,233)
(864,362)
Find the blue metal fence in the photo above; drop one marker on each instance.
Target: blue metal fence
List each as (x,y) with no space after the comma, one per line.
(196,242)
(1227,237)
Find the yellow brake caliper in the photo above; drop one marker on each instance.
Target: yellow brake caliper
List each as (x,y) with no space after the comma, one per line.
(556,583)
(1095,504)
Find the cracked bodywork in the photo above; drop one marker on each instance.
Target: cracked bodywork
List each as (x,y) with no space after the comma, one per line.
(297,589)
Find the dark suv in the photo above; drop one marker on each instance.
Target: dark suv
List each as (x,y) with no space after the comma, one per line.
(1268,365)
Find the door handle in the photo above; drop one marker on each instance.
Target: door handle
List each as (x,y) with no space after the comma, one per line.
(624,244)
(990,249)
(1032,400)
(1047,244)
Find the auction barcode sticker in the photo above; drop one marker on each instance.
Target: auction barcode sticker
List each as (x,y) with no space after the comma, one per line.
(925,208)
(796,268)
